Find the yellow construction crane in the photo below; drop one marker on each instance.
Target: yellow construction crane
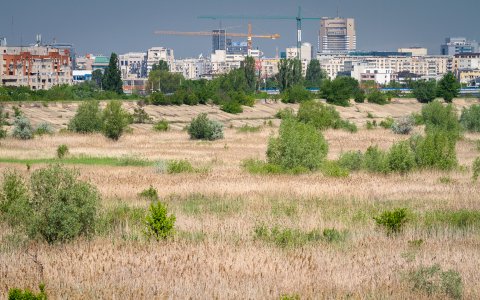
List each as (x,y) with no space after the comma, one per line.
(248,35)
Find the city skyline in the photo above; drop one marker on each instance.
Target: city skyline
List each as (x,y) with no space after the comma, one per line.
(121,26)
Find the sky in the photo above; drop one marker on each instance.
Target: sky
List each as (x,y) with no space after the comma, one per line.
(105,26)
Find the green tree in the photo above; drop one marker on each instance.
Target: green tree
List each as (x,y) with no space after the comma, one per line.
(289,73)
(87,119)
(115,120)
(158,223)
(315,75)
(248,66)
(97,77)
(448,87)
(340,90)
(164,81)
(112,80)
(161,66)
(424,91)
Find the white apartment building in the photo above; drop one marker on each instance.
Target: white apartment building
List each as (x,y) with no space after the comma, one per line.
(306,55)
(223,63)
(38,67)
(365,71)
(268,67)
(133,65)
(192,68)
(156,54)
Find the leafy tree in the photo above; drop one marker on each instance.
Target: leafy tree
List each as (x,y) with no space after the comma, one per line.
(164,81)
(97,77)
(248,67)
(448,87)
(376,96)
(161,66)
(158,223)
(340,90)
(314,75)
(87,119)
(115,120)
(470,118)
(289,73)
(112,80)
(424,91)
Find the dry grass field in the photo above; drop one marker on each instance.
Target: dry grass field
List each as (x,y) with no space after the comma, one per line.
(214,254)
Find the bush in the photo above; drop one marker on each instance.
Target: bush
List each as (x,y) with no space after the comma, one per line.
(401,158)
(232,107)
(255,166)
(115,120)
(203,128)
(403,126)
(387,123)
(179,166)
(375,160)
(476,169)
(393,221)
(87,119)
(377,97)
(323,116)
(44,128)
(296,94)
(332,235)
(436,150)
(298,145)
(161,125)
(22,129)
(424,91)
(151,194)
(351,160)
(470,118)
(62,150)
(18,294)
(333,169)
(436,116)
(247,128)
(140,116)
(158,98)
(285,113)
(15,200)
(459,219)
(432,280)
(359,96)
(158,224)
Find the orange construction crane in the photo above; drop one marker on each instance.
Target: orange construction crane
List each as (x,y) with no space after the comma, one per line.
(248,35)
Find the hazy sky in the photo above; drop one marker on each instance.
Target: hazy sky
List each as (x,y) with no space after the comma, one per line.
(103,26)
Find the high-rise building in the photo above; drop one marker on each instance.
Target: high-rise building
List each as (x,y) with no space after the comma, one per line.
(156,54)
(219,41)
(458,45)
(337,35)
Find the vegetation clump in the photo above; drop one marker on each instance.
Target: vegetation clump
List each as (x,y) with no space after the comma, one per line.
(437,116)
(22,129)
(158,223)
(323,116)
(205,129)
(43,128)
(19,294)
(470,118)
(476,169)
(403,126)
(115,120)
(62,151)
(392,220)
(161,125)
(434,281)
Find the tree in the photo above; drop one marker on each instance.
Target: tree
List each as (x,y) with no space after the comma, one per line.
(87,119)
(289,73)
(424,91)
(315,75)
(340,90)
(112,80)
(164,81)
(115,120)
(248,66)
(161,66)
(448,87)
(97,76)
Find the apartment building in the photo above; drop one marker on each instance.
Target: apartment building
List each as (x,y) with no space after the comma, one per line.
(458,45)
(156,54)
(38,67)
(192,68)
(133,65)
(337,35)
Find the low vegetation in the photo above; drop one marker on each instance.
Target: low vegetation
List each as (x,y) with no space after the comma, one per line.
(202,128)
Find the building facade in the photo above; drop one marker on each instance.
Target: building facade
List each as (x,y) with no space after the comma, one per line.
(458,45)
(219,40)
(337,35)
(38,67)
(133,65)
(156,54)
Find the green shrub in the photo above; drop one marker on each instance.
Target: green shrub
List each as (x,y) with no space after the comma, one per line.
(436,116)
(375,160)
(247,128)
(333,169)
(62,150)
(150,194)
(347,125)
(459,219)
(22,129)
(255,166)
(158,223)
(377,97)
(290,297)
(179,166)
(370,125)
(158,98)
(87,119)
(424,91)
(436,150)
(203,128)
(332,235)
(285,113)
(18,294)
(161,125)
(140,116)
(120,218)
(351,160)
(232,107)
(403,126)
(359,96)
(296,94)
(298,145)
(470,118)
(401,158)
(44,128)
(476,169)
(393,221)
(15,206)
(115,120)
(432,280)
(322,116)
(387,123)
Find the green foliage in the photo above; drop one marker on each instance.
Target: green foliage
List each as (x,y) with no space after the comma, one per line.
(3,117)
(161,66)
(285,113)
(290,297)
(112,80)
(18,294)
(87,119)
(161,125)
(164,81)
(232,107)
(359,96)
(424,91)
(14,200)
(333,235)
(323,116)
(22,129)
(340,90)
(120,218)
(62,151)
(286,237)
(248,66)
(436,116)
(456,219)
(387,123)
(333,169)
(140,116)
(401,158)
(470,118)
(247,128)
(392,220)
(351,160)
(296,94)
(115,120)
(150,194)
(158,223)
(433,281)
(179,166)
(377,97)
(314,75)
(203,128)
(436,150)
(298,145)
(255,166)
(289,73)
(158,98)
(403,125)
(371,125)
(476,169)
(375,160)
(448,87)
(196,204)
(44,128)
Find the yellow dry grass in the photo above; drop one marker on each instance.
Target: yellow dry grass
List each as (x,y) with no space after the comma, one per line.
(218,257)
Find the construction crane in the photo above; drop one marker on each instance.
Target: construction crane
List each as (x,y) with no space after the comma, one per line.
(248,35)
(299,18)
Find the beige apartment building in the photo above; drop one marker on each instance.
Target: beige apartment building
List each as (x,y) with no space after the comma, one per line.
(337,35)
(38,67)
